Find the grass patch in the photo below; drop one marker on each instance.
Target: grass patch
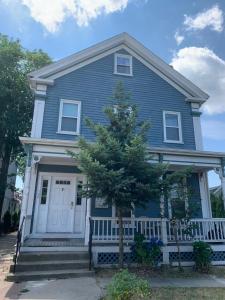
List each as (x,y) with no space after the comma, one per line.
(187,293)
(171,272)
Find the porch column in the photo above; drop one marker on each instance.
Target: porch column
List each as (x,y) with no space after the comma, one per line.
(204,193)
(87,226)
(221,173)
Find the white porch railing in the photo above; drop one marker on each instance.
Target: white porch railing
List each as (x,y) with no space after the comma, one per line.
(106,229)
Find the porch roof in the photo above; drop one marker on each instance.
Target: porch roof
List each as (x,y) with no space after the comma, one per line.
(174,157)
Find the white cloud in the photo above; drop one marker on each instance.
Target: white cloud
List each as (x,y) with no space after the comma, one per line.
(213,129)
(179,38)
(51,13)
(212,18)
(204,68)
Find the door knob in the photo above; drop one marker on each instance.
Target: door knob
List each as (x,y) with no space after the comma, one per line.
(71,203)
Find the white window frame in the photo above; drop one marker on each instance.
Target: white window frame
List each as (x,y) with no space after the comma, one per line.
(116,55)
(62,101)
(178,114)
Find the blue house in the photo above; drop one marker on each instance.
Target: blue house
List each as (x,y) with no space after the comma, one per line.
(55,217)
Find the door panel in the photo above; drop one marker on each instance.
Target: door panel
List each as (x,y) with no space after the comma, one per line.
(61,206)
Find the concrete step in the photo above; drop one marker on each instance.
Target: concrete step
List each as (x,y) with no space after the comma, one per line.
(51,256)
(53,248)
(50,265)
(41,275)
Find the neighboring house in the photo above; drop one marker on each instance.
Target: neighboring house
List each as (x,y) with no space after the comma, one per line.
(11,202)
(80,86)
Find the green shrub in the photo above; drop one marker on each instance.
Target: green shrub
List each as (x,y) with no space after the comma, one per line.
(202,256)
(7,224)
(127,286)
(15,220)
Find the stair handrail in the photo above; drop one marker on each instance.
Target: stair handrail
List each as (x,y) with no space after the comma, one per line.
(18,243)
(90,242)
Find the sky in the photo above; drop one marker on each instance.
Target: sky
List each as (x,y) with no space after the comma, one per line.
(190,35)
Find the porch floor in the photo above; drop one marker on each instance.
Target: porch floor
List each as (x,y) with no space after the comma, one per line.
(53,242)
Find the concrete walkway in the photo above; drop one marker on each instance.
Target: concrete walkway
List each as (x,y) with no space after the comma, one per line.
(93,288)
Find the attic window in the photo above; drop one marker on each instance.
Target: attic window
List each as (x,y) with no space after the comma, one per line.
(123,64)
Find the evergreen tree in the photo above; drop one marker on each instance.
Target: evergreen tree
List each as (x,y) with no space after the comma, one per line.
(117,165)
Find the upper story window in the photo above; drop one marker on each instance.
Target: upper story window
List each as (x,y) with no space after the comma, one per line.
(69,117)
(172,127)
(123,64)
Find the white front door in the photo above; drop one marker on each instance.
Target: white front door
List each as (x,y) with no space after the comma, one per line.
(61,205)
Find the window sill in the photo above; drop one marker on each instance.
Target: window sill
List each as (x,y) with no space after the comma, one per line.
(173,142)
(123,74)
(68,132)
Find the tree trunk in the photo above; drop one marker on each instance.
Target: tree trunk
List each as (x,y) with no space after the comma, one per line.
(178,247)
(4,166)
(120,238)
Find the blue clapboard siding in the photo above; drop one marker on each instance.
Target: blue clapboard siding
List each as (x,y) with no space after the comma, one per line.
(93,86)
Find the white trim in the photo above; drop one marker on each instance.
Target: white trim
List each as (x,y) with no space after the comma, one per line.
(178,114)
(37,122)
(130,42)
(116,55)
(198,132)
(74,144)
(62,102)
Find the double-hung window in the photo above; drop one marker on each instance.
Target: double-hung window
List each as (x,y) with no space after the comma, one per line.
(178,201)
(172,127)
(123,64)
(69,117)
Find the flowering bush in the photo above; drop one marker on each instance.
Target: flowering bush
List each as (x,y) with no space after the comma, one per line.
(127,286)
(146,252)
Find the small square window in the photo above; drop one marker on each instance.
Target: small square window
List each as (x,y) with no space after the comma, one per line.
(69,117)
(172,127)
(123,64)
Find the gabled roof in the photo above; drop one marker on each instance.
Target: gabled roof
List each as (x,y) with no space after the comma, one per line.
(66,65)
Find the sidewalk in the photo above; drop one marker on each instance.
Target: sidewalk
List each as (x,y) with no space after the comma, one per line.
(7,245)
(7,250)
(94,288)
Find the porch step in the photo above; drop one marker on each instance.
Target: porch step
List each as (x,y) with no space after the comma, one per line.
(50,265)
(52,256)
(41,275)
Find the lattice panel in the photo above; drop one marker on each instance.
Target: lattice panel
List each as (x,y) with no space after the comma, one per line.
(113,258)
(218,256)
(185,256)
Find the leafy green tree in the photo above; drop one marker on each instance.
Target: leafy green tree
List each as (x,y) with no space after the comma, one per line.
(16,100)
(117,164)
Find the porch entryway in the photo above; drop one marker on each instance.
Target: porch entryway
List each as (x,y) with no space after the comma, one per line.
(59,208)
